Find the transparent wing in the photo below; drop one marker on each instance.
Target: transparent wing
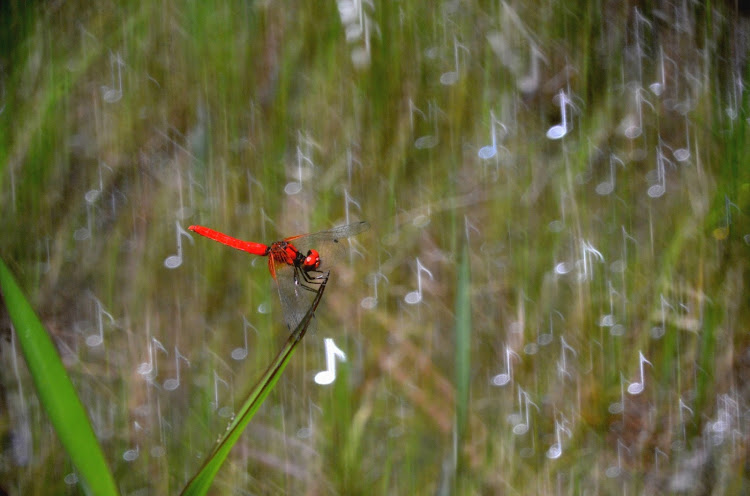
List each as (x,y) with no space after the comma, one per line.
(330,244)
(340,232)
(296,297)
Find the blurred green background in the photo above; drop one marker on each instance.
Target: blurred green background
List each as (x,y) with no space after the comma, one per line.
(600,343)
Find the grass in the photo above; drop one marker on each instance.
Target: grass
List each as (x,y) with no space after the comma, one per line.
(56,392)
(201,482)
(222,107)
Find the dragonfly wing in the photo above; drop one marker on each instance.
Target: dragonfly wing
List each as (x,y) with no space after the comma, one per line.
(330,244)
(339,232)
(295,298)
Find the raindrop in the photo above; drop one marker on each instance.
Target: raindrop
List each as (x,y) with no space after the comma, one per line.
(81,234)
(557,132)
(293,188)
(563,268)
(656,191)
(173,261)
(613,472)
(607,320)
(501,379)
(545,339)
(424,142)
(449,78)
(487,152)
(617,330)
(92,195)
(556,226)
(554,451)
(413,298)
(130,455)
(369,302)
(520,429)
(657,332)
(681,154)
(618,266)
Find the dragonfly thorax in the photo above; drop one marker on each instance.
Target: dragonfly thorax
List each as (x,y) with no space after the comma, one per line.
(288,253)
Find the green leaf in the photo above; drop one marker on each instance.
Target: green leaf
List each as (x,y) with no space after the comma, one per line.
(56,392)
(201,481)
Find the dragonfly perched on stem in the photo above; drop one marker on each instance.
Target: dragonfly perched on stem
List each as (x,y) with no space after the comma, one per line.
(309,257)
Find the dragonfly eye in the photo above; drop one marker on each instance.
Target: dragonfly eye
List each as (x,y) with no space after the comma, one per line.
(312,261)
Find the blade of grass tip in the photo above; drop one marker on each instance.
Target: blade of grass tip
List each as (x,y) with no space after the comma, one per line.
(55,390)
(463,345)
(201,481)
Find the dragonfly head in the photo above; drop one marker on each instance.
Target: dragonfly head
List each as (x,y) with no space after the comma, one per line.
(312,260)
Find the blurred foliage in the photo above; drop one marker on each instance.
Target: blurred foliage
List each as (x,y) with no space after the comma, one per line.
(56,393)
(123,122)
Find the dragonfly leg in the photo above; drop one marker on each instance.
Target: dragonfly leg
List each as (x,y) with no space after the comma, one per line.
(303,279)
(310,281)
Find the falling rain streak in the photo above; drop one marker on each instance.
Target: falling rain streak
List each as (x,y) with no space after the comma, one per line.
(590,164)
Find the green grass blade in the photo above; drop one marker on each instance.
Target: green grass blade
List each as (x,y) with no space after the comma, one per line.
(56,392)
(201,482)
(463,344)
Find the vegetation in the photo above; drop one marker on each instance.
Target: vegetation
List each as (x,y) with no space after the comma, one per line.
(592,339)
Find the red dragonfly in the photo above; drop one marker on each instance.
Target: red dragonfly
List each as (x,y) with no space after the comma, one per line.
(309,256)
